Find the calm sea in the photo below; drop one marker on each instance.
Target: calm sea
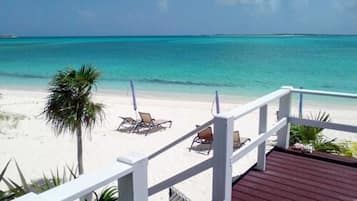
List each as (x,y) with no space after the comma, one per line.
(239,65)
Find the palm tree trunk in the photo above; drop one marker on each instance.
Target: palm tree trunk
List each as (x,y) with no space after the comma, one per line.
(79,150)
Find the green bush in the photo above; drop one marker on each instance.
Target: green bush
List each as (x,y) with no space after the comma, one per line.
(45,183)
(307,134)
(349,149)
(324,145)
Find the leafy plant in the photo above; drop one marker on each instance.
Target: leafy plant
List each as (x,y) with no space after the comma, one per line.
(349,149)
(5,195)
(69,106)
(55,179)
(306,134)
(45,183)
(108,194)
(324,145)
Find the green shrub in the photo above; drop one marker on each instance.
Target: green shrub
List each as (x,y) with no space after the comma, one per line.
(324,145)
(349,149)
(108,194)
(307,134)
(45,183)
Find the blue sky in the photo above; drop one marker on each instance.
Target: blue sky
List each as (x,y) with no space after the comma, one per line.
(176,17)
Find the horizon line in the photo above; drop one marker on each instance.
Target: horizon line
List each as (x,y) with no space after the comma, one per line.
(177,35)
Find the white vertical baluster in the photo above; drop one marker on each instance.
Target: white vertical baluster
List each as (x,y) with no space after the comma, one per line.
(222,165)
(284,111)
(262,129)
(134,187)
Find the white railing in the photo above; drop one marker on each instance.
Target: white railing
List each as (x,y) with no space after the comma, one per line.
(252,106)
(281,128)
(131,172)
(223,141)
(181,176)
(179,140)
(325,93)
(258,140)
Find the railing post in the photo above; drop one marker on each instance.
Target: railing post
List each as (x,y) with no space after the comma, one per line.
(284,111)
(222,164)
(263,116)
(134,187)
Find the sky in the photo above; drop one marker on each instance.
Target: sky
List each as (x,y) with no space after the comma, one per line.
(176,17)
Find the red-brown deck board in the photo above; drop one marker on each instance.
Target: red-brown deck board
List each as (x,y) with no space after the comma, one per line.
(291,176)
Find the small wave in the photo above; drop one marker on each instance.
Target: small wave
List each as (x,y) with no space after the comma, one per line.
(155,81)
(160,81)
(23,75)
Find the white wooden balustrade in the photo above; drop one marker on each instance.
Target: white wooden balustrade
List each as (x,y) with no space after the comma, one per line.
(131,171)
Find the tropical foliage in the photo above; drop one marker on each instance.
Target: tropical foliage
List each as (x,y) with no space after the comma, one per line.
(45,183)
(313,135)
(108,194)
(323,144)
(307,134)
(349,148)
(69,106)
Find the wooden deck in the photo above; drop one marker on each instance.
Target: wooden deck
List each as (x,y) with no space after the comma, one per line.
(290,176)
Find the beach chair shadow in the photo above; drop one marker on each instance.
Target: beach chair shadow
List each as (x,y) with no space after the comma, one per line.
(147,131)
(127,124)
(201,148)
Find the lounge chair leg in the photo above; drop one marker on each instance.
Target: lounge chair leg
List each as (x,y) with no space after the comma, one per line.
(191,146)
(210,147)
(147,131)
(119,126)
(135,129)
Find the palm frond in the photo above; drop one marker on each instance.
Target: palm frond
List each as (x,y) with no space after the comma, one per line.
(69,104)
(4,170)
(306,134)
(108,194)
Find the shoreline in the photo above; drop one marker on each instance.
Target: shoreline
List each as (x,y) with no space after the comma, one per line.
(308,100)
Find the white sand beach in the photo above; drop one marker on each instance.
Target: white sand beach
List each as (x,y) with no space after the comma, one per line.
(37,149)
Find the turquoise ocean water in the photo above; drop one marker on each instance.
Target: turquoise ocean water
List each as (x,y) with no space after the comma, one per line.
(239,65)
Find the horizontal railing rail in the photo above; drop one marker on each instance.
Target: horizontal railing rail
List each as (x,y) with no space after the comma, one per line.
(254,143)
(186,173)
(130,173)
(325,93)
(179,140)
(84,185)
(256,104)
(320,124)
(181,176)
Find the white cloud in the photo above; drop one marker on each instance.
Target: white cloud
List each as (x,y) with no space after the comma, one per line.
(163,5)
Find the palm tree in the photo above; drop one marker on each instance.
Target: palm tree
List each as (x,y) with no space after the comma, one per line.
(69,106)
